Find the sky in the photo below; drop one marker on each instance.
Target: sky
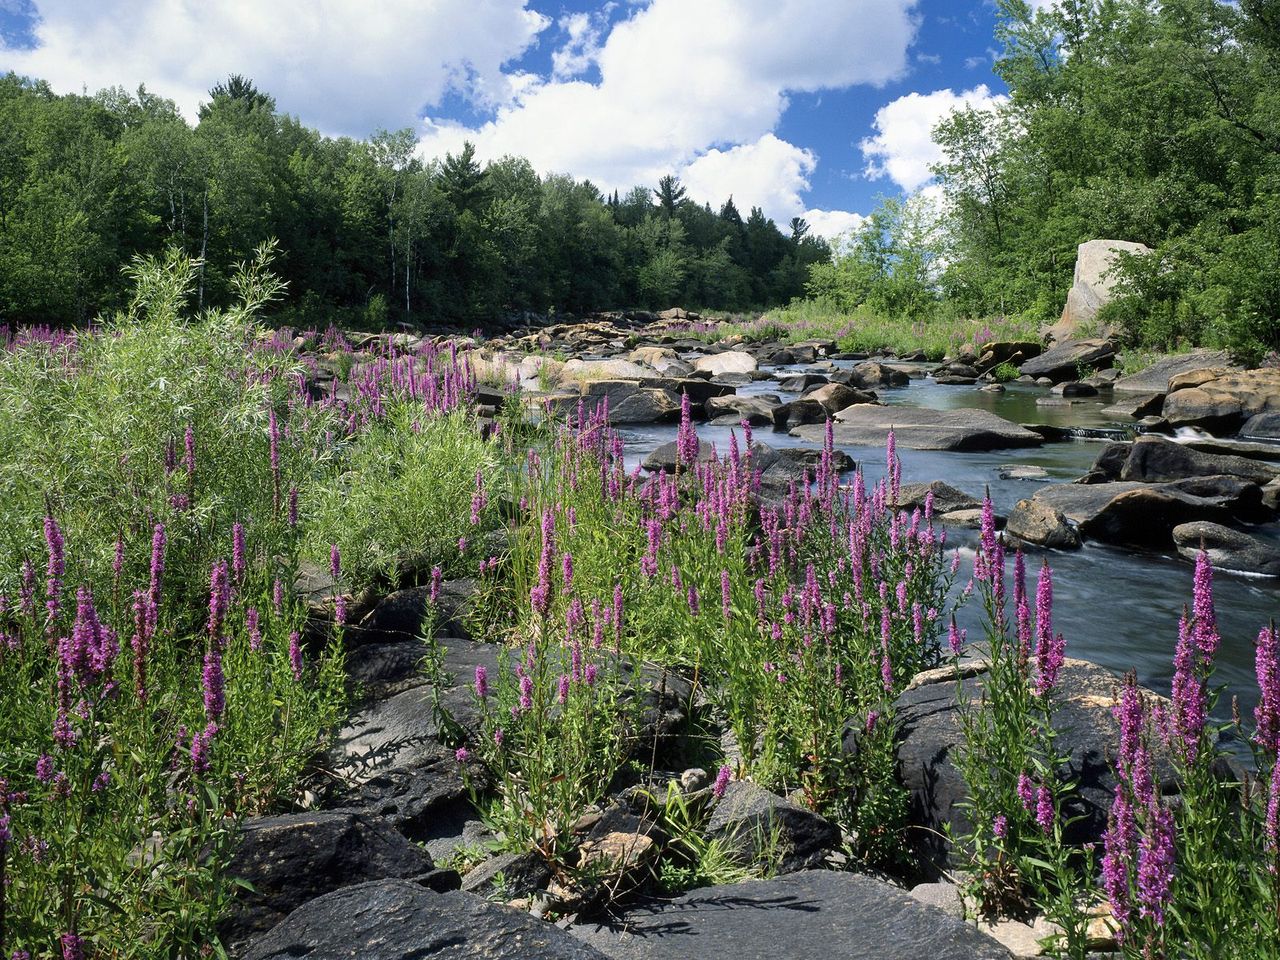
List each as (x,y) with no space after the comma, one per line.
(811,108)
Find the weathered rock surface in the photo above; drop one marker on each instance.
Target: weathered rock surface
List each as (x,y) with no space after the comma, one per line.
(1262,426)
(1138,514)
(1228,549)
(1223,403)
(1092,284)
(1155,378)
(748,816)
(579,370)
(295,858)
(812,915)
(1155,459)
(757,409)
(946,498)
(397,920)
(731,361)
(1065,360)
(1136,405)
(870,375)
(1037,523)
(781,467)
(666,457)
(916,428)
(834,397)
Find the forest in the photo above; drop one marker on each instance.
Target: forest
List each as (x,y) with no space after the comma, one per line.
(369,233)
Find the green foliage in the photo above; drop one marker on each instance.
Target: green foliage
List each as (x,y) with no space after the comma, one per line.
(1005,373)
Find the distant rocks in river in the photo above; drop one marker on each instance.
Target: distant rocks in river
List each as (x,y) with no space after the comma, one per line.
(917,428)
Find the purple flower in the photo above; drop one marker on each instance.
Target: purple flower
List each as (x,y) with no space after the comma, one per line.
(1190,701)
(1045,813)
(1156,857)
(55,569)
(686,436)
(955,638)
(72,947)
(215,697)
(722,782)
(1050,648)
(200,743)
(563,691)
(1267,712)
(482,681)
(254,629)
(335,561)
(219,597)
(437,577)
(295,654)
(1026,791)
(44,768)
(462,755)
(566,570)
(1205,620)
(1001,826)
(293,507)
(526,692)
(237,551)
(101,782)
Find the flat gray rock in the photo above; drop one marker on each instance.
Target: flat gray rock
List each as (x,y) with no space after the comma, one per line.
(812,915)
(1155,378)
(918,428)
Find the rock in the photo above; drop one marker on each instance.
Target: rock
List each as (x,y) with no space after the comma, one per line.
(918,428)
(631,403)
(1092,285)
(869,375)
(1228,549)
(798,413)
(1137,406)
(656,357)
(801,382)
(731,361)
(756,409)
(1022,940)
(834,397)
(930,732)
(945,896)
(747,816)
(1194,407)
(1133,514)
(1039,524)
(1262,426)
(1006,351)
(397,920)
(1023,471)
(1222,403)
(802,916)
(781,468)
(510,875)
(1068,359)
(1155,378)
(951,380)
(1074,388)
(1155,459)
(291,859)
(399,616)
(664,458)
(946,498)
(381,670)
(580,371)
(1110,462)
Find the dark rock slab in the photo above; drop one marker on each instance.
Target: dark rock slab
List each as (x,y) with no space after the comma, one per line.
(1155,378)
(756,409)
(946,498)
(396,920)
(295,858)
(748,816)
(1155,459)
(812,915)
(871,375)
(918,428)
(1065,360)
(1228,549)
(511,874)
(664,458)
(1262,426)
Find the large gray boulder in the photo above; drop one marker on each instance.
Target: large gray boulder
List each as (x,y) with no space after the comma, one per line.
(748,818)
(1065,360)
(1222,404)
(812,915)
(1155,378)
(919,428)
(1228,549)
(870,375)
(731,361)
(1092,285)
(397,920)
(1155,459)
(1037,523)
(757,409)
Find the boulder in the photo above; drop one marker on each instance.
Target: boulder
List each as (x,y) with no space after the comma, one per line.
(1136,514)
(748,817)
(870,375)
(1074,388)
(834,397)
(1228,549)
(919,428)
(780,468)
(1136,405)
(731,361)
(946,498)
(630,402)
(512,874)
(1066,360)
(291,859)
(1155,378)
(797,413)
(1109,463)
(1262,426)
(1222,404)
(801,382)
(1092,285)
(1155,459)
(1039,524)
(930,733)
(757,409)
(801,916)
(996,352)
(578,370)
(665,457)
(398,920)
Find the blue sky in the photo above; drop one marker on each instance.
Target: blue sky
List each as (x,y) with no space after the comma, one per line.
(810,107)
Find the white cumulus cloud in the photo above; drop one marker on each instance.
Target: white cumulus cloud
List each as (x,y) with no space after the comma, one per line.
(902,147)
(345,67)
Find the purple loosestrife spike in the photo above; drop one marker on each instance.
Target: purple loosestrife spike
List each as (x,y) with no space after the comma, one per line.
(1045,813)
(955,638)
(563,691)
(1050,647)
(462,755)
(189,450)
(723,777)
(293,508)
(437,576)
(277,596)
(44,768)
(253,628)
(72,947)
(1271,819)
(215,698)
(1118,852)
(566,570)
(1190,705)
(1267,712)
(482,682)
(1205,620)
(295,654)
(1156,856)
(526,692)
(237,551)
(1026,791)
(1001,826)
(56,568)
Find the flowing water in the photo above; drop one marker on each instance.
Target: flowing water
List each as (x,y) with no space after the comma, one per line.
(1116,608)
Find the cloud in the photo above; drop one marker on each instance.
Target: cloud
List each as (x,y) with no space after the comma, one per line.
(346,67)
(902,148)
(682,82)
(833,224)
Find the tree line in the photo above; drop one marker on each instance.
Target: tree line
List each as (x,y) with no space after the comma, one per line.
(1156,122)
(369,232)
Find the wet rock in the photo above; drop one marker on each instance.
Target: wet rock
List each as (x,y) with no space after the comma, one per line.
(1134,514)
(1109,463)
(665,457)
(1228,549)
(1262,426)
(631,403)
(801,382)
(1137,405)
(870,375)
(951,380)
(747,818)
(801,916)
(731,361)
(1037,523)
(397,920)
(1066,360)
(1222,404)
(292,859)
(1155,378)
(946,498)
(797,413)
(1074,388)
(1155,459)
(757,409)
(917,428)
(834,397)
(930,734)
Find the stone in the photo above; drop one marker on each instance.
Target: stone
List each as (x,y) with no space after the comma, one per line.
(1093,284)
(951,380)
(802,916)
(1136,406)
(1132,514)
(755,408)
(870,375)
(581,371)
(1155,378)
(731,361)
(748,815)
(1195,407)
(779,468)
(399,616)
(1154,459)
(797,413)
(930,731)
(510,875)
(800,382)
(1037,523)
(941,894)
(1262,426)
(1228,549)
(918,428)
(631,403)
(1224,402)
(996,352)
(946,498)
(291,859)
(1109,463)
(665,457)
(398,920)
(1074,388)
(1023,471)
(1066,360)
(969,519)
(834,397)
